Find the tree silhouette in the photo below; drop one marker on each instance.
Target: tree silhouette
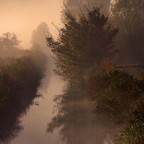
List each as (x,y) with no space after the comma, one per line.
(9,40)
(83,43)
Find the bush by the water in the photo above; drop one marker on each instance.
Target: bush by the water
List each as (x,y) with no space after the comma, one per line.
(18,87)
(114,92)
(119,96)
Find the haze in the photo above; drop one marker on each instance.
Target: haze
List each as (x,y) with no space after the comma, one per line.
(23,16)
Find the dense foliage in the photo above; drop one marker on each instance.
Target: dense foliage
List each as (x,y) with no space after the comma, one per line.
(83,50)
(115,92)
(82,43)
(18,87)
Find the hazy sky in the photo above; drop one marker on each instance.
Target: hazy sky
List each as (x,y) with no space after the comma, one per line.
(23,16)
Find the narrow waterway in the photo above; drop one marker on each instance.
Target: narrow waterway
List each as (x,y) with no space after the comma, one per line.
(80,125)
(40,114)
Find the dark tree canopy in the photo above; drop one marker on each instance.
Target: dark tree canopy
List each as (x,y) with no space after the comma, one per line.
(82,44)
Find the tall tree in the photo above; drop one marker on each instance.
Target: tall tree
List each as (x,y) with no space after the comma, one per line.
(82,43)
(38,37)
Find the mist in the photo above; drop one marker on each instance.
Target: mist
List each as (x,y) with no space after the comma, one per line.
(71,72)
(22,17)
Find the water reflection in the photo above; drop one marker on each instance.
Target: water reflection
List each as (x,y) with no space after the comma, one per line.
(76,120)
(18,88)
(10,114)
(35,122)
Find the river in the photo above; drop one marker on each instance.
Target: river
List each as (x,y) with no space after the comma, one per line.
(80,125)
(40,114)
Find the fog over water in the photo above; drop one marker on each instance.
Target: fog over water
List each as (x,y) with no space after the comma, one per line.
(22,17)
(40,114)
(91,129)
(70,106)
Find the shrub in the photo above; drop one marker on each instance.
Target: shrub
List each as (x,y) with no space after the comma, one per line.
(114,92)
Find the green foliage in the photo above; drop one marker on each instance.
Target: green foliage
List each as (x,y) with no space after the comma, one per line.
(82,43)
(114,92)
(138,108)
(81,46)
(134,133)
(119,96)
